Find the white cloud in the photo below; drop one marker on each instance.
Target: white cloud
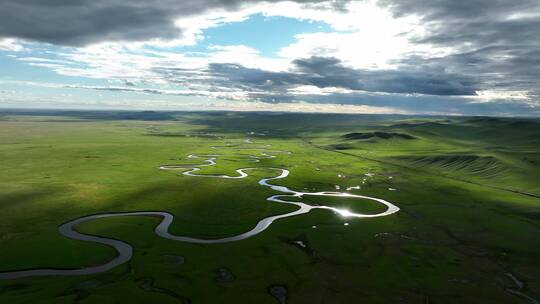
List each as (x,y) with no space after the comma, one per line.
(307,108)
(508,95)
(313,90)
(114,61)
(246,56)
(11,45)
(366,36)
(367,50)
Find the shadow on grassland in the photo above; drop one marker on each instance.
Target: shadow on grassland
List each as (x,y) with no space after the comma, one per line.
(285,125)
(95,115)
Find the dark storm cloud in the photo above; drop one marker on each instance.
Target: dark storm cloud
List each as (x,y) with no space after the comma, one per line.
(475,23)
(459,10)
(235,75)
(493,67)
(330,72)
(130,89)
(498,41)
(413,104)
(81,22)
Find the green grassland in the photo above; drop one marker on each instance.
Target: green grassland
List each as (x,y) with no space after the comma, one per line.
(468,189)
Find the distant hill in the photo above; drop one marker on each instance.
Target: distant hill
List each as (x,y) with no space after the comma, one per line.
(376,134)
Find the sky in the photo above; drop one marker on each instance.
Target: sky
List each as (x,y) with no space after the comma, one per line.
(438,57)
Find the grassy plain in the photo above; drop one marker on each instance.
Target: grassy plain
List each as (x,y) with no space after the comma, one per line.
(468,188)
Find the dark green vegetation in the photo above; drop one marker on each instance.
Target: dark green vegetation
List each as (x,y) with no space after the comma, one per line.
(468,188)
(376,134)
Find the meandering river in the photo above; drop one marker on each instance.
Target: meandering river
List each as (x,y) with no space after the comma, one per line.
(125,250)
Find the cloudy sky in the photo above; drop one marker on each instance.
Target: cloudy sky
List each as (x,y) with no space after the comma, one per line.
(474,57)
